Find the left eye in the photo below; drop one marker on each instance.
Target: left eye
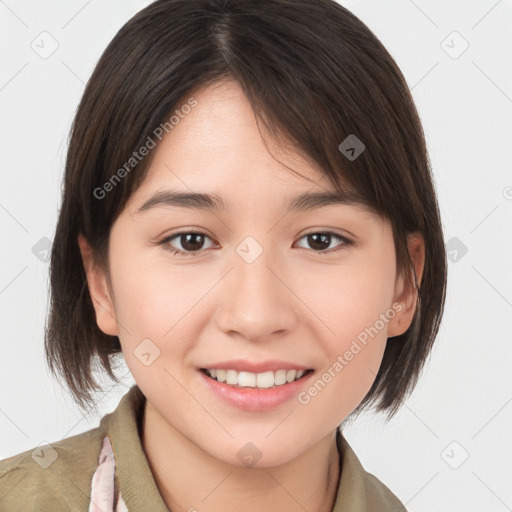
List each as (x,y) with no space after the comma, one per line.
(192,242)
(322,241)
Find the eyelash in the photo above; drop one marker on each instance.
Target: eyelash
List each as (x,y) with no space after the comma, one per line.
(345,242)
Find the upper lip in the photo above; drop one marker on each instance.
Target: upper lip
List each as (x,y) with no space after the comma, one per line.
(242,365)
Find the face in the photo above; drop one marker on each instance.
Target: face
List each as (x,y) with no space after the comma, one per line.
(251,288)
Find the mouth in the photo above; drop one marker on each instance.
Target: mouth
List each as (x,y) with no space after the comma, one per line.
(262,380)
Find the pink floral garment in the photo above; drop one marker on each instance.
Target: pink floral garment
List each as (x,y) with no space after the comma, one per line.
(102,484)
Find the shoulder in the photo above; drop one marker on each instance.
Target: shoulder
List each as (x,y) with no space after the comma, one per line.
(359,489)
(53,476)
(379,495)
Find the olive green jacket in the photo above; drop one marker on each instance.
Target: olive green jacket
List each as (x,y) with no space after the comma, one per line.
(57,477)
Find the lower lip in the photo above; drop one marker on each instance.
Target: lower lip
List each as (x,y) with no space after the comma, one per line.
(255,399)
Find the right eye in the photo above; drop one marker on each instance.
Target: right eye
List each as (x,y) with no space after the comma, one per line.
(190,241)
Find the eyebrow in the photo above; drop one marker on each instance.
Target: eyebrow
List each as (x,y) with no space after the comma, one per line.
(199,201)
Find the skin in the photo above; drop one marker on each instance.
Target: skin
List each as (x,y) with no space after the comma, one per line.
(291,303)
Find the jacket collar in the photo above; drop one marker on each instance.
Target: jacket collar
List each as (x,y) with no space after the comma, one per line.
(357,489)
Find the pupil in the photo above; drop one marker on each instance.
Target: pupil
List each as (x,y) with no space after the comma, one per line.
(188,245)
(324,243)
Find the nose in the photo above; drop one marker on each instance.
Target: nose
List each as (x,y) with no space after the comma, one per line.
(258,301)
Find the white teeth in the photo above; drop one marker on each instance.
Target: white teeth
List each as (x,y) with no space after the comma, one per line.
(255,380)
(290,375)
(247,379)
(231,377)
(280,377)
(265,380)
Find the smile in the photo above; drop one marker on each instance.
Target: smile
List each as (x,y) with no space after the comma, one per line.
(264,380)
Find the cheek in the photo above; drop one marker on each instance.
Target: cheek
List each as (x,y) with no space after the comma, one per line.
(155,301)
(154,309)
(354,304)
(340,387)
(153,294)
(349,298)
(353,346)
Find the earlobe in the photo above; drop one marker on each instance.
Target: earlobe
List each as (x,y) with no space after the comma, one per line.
(99,291)
(407,295)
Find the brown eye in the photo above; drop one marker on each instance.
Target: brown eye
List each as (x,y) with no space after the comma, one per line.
(187,243)
(321,241)
(191,241)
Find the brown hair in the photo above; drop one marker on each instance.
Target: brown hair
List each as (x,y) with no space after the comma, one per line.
(314,74)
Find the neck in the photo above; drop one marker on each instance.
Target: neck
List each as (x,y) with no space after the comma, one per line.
(188,478)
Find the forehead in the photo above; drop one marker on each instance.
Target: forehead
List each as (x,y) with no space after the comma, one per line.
(218,152)
(222,131)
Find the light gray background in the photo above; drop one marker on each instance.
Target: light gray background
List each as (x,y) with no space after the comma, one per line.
(462,405)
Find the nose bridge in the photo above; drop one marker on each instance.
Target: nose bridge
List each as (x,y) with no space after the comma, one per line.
(256,286)
(256,302)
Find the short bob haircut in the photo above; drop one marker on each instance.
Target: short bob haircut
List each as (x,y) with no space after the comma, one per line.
(314,74)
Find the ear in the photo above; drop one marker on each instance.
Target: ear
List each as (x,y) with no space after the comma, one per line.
(98,288)
(406,295)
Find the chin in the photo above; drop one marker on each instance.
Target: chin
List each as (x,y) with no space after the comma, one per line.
(256,451)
